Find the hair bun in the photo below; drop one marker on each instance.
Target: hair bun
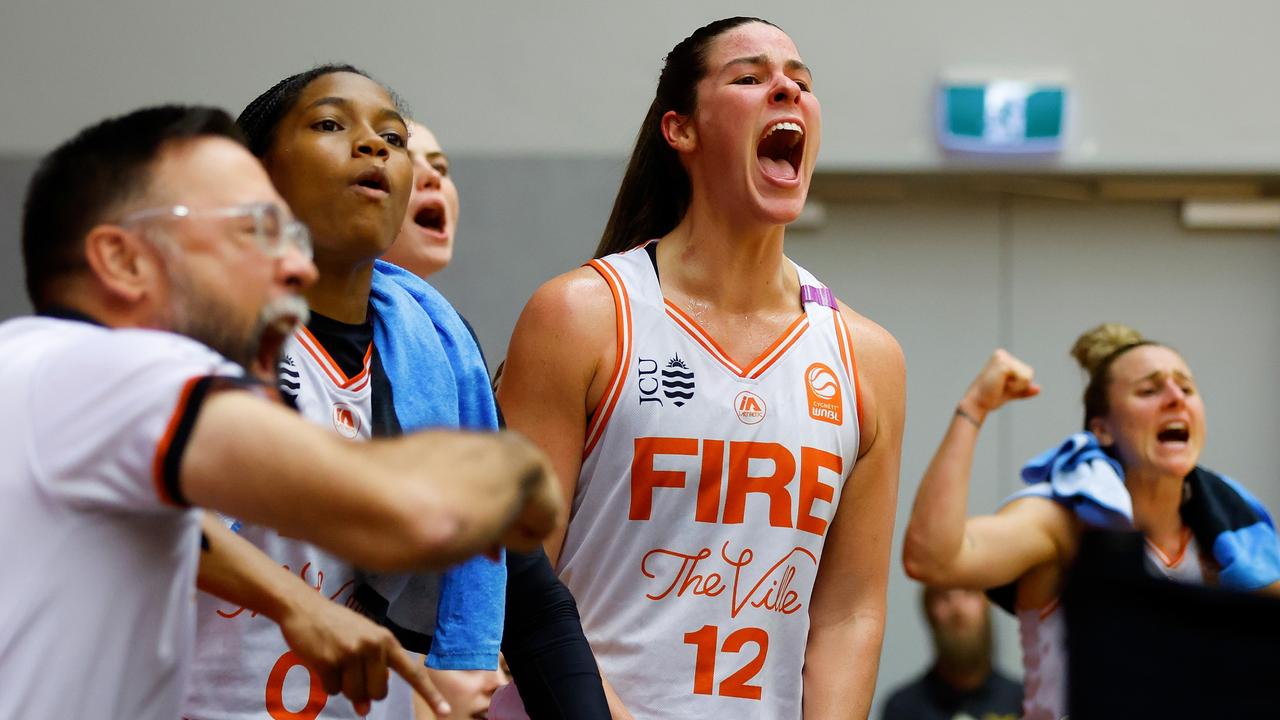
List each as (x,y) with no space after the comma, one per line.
(1093,346)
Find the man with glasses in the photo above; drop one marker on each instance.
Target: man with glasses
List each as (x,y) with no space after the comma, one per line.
(161,221)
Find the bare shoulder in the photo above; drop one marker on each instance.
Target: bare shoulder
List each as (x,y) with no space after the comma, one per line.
(563,343)
(877,349)
(1052,518)
(576,304)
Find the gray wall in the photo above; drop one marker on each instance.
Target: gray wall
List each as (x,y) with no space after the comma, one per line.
(1158,84)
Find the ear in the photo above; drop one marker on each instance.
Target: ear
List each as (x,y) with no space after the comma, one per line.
(123,263)
(679,131)
(1102,430)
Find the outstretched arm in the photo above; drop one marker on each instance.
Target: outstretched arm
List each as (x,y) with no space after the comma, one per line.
(424,500)
(945,547)
(349,653)
(848,606)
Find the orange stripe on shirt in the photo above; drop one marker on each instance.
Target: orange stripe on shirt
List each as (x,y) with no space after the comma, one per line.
(327,363)
(852,365)
(613,391)
(779,347)
(162,448)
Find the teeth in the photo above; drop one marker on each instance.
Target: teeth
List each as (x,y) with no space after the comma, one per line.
(1176,426)
(794,127)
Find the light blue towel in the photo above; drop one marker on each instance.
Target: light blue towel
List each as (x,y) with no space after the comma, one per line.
(1078,473)
(438,379)
(1225,518)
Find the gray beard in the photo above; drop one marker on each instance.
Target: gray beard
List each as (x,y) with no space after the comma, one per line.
(208,322)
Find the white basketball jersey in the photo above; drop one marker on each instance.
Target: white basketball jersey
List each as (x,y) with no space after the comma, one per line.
(243,669)
(704,499)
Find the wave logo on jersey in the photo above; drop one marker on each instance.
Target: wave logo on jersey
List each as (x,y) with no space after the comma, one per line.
(823,389)
(346,421)
(290,381)
(677,381)
(749,406)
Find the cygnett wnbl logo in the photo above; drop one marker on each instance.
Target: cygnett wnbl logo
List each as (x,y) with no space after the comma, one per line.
(823,388)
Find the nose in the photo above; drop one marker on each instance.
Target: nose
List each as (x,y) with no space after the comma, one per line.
(1174,395)
(296,270)
(786,90)
(426,176)
(371,143)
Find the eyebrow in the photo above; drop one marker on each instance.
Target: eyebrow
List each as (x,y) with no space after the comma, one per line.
(385,114)
(1158,375)
(791,64)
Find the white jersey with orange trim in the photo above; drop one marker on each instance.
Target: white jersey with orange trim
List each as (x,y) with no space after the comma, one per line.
(95,534)
(243,668)
(1042,632)
(703,503)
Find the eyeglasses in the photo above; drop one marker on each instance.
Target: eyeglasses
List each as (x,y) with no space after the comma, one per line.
(273,233)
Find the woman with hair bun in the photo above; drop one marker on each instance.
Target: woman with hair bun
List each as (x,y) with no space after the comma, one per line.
(1132,466)
(720,420)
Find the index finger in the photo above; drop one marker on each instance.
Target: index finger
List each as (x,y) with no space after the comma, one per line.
(416,675)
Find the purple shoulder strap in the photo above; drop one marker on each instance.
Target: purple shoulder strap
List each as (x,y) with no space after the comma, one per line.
(821,295)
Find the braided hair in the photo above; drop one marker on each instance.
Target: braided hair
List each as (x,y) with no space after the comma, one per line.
(259,118)
(655,190)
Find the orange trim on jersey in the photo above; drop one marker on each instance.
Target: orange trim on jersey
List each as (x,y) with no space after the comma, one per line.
(1047,610)
(847,356)
(757,367)
(331,368)
(779,347)
(1043,612)
(162,447)
(613,391)
(1182,551)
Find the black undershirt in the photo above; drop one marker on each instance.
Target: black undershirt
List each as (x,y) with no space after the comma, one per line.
(347,344)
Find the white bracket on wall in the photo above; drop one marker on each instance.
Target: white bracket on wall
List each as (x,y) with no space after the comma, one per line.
(1254,214)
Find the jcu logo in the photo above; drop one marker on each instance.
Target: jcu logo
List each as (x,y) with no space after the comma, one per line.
(674,381)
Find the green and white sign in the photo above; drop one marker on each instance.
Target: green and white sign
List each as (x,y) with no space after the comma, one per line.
(1003,116)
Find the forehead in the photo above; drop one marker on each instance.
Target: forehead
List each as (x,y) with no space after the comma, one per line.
(749,40)
(357,90)
(422,140)
(210,172)
(1140,362)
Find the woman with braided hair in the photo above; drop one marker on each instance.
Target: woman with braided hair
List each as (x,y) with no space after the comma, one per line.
(1133,466)
(382,353)
(732,467)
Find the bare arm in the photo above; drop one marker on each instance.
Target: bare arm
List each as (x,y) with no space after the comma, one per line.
(420,501)
(945,547)
(848,608)
(561,358)
(349,653)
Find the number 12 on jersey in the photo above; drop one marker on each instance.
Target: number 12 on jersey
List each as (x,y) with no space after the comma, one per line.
(704,670)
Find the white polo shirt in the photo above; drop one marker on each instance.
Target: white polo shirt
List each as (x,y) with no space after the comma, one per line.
(96,541)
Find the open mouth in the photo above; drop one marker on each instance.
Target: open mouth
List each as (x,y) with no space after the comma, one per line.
(1174,432)
(780,150)
(375,179)
(431,218)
